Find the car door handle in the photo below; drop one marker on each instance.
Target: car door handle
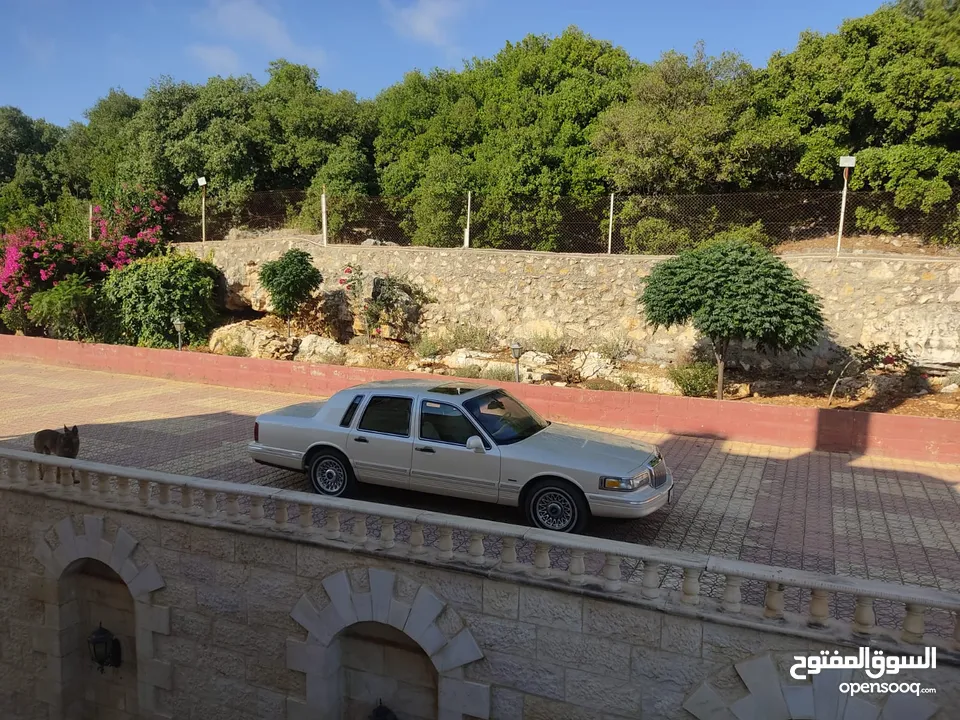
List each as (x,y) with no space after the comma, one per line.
(425,450)
(360,439)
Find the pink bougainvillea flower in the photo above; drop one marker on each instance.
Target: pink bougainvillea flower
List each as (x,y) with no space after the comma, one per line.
(96,208)
(44,275)
(58,246)
(103,267)
(27,307)
(348,270)
(26,283)
(342,281)
(36,255)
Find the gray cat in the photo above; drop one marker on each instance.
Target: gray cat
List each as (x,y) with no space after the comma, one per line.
(53,442)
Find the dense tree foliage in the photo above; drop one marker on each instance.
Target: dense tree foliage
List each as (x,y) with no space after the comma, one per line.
(568,117)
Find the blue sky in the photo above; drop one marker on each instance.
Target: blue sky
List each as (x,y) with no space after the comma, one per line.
(59,56)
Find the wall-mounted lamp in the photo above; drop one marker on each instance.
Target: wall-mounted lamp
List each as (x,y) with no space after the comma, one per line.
(104,648)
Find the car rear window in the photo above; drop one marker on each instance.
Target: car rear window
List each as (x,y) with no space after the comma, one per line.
(351,411)
(388,415)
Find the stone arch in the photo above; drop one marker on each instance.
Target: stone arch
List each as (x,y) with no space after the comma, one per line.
(70,548)
(319,655)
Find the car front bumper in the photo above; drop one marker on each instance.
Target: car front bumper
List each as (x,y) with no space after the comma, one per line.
(636,504)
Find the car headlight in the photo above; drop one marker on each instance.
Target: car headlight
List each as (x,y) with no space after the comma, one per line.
(626,484)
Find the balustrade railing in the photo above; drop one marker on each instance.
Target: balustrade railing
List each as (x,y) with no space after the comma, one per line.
(637,572)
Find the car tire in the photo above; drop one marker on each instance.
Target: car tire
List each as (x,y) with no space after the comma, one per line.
(330,474)
(556,505)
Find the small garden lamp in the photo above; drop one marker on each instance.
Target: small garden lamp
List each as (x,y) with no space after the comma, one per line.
(516,351)
(104,648)
(178,325)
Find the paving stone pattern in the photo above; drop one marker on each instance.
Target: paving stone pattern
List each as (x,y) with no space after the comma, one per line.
(877,518)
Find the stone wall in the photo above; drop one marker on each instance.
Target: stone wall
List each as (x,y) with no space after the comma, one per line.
(910,300)
(232,623)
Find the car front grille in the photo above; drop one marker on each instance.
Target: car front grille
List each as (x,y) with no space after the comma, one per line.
(658,472)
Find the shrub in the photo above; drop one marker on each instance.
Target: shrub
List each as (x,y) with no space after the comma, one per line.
(696,380)
(290,280)
(235,349)
(467,371)
(499,373)
(601,384)
(427,346)
(66,310)
(744,233)
(549,344)
(395,300)
(146,296)
(467,336)
(733,289)
(654,236)
(615,348)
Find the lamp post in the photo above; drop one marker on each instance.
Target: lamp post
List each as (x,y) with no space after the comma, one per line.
(846,162)
(202,182)
(178,325)
(516,351)
(104,648)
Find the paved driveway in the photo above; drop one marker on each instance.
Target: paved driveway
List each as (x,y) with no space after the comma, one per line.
(873,518)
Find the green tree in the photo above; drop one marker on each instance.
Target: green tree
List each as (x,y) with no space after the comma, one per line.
(733,290)
(290,280)
(66,311)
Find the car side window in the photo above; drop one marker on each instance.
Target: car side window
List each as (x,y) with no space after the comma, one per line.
(444,423)
(388,415)
(347,418)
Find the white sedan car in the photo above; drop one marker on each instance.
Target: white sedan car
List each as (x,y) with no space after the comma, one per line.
(464,440)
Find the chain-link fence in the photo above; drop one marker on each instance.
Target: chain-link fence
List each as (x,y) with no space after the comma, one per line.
(652,225)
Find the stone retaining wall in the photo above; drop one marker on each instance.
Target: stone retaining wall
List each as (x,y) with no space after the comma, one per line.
(914,301)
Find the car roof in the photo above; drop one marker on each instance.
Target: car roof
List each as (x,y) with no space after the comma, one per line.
(430,385)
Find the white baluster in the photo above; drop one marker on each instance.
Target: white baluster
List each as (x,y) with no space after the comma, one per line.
(731,594)
(186,498)
(360,530)
(577,567)
(103,487)
(306,517)
(84,482)
(913,624)
(51,476)
(819,608)
(331,531)
(33,473)
(864,618)
(611,573)
(445,544)
(233,507)
(773,601)
(144,492)
(256,509)
(388,533)
(650,584)
(508,556)
(280,514)
(66,480)
(416,539)
(690,591)
(476,549)
(541,559)
(123,490)
(210,503)
(164,496)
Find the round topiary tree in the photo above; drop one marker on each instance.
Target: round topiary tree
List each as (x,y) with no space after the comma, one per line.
(732,289)
(290,280)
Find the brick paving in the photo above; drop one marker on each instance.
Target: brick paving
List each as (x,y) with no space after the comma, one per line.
(878,518)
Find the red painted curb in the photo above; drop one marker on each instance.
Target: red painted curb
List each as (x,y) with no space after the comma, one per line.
(901,436)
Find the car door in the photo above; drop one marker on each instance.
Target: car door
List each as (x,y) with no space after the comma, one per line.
(442,464)
(381,445)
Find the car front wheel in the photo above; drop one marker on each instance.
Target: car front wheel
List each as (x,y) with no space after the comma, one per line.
(330,474)
(556,505)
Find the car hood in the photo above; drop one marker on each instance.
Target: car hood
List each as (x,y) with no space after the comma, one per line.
(588,450)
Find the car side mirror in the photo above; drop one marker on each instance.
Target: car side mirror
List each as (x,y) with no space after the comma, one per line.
(476,444)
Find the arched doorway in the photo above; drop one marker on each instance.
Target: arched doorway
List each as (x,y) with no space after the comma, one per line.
(372,641)
(91,595)
(382,665)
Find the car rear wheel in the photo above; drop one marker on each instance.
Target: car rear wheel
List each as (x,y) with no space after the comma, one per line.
(557,505)
(330,474)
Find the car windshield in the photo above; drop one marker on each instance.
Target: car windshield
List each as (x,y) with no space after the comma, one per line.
(504,418)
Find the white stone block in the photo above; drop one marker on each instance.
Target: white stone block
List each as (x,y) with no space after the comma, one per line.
(323,695)
(129,571)
(860,709)
(123,547)
(426,608)
(66,534)
(313,659)
(381,593)
(104,552)
(462,649)
(146,581)
(706,704)
(431,639)
(827,700)
(466,698)
(763,681)
(153,617)
(399,612)
(799,700)
(338,589)
(331,623)
(43,553)
(900,706)
(306,615)
(363,606)
(93,530)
